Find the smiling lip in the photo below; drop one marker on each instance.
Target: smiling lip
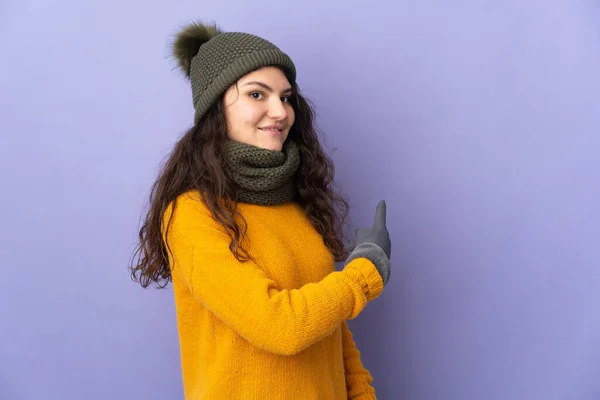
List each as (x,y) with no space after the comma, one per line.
(277,129)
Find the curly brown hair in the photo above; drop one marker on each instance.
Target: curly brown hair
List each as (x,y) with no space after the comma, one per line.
(196,163)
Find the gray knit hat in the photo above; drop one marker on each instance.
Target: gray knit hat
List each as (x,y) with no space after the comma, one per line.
(214,60)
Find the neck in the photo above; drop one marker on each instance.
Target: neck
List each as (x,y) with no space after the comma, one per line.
(263,176)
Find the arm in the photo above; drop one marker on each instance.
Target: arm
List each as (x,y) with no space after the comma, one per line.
(358,379)
(245,299)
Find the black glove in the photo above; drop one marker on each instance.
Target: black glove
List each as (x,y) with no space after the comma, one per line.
(374,244)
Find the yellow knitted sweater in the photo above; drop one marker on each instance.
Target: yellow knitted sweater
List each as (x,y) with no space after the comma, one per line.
(273,328)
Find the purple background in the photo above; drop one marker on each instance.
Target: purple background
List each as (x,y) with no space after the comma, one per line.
(477,121)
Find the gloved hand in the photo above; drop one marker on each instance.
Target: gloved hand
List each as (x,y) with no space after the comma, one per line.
(374,244)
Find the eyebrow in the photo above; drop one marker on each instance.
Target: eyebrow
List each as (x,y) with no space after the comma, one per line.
(267,87)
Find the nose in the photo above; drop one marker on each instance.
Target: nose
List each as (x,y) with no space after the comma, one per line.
(277,110)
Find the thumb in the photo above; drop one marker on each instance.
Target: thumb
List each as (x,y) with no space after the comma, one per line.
(380,215)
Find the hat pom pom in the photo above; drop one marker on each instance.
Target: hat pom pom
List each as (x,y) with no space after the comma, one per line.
(188,42)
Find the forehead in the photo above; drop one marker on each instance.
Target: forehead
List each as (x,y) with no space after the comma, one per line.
(272,75)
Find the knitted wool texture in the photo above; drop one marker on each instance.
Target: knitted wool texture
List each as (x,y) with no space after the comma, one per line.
(263,176)
(271,328)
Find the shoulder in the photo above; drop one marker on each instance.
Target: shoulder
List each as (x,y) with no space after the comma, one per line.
(188,206)
(188,216)
(190,201)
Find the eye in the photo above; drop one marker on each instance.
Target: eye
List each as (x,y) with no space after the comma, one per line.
(286,99)
(256,95)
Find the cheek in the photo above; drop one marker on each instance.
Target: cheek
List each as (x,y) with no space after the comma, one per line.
(241,117)
(250,116)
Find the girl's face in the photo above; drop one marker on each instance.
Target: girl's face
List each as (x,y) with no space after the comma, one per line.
(258,109)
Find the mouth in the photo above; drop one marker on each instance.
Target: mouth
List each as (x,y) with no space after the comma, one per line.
(273,129)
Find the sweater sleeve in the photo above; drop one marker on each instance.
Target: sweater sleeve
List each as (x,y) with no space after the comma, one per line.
(242,296)
(358,379)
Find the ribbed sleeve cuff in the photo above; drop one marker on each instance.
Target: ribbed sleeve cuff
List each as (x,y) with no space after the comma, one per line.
(363,272)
